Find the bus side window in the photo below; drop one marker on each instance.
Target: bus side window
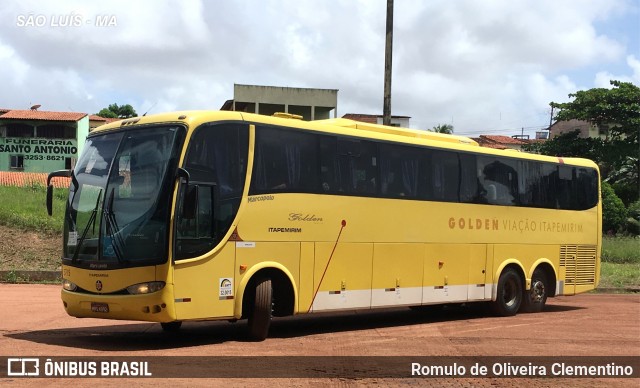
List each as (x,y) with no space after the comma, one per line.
(358,166)
(285,161)
(329,166)
(399,171)
(501,175)
(470,189)
(444,176)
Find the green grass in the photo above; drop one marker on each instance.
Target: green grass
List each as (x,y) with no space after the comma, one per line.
(619,275)
(621,250)
(25,208)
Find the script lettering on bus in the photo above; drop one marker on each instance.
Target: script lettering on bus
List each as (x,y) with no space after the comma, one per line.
(261,198)
(304,217)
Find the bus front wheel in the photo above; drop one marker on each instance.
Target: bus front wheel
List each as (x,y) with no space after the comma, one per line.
(509,295)
(171,326)
(261,311)
(534,299)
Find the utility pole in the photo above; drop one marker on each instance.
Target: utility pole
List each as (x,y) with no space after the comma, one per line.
(386,110)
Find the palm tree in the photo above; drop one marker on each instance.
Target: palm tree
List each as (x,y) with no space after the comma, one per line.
(443,128)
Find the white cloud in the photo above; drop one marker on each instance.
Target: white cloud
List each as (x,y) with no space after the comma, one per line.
(490,65)
(603,78)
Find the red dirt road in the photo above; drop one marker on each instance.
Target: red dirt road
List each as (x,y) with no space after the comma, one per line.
(34,324)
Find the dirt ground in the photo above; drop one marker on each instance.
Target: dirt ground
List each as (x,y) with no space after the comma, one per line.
(29,251)
(34,324)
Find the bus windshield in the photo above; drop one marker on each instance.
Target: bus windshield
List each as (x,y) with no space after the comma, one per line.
(119,200)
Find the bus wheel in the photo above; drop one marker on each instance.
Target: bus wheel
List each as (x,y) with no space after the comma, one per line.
(171,326)
(534,299)
(509,295)
(261,311)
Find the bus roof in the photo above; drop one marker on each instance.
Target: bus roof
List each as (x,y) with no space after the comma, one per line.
(399,131)
(340,126)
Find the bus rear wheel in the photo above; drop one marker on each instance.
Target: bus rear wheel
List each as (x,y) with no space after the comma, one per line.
(534,299)
(261,311)
(509,295)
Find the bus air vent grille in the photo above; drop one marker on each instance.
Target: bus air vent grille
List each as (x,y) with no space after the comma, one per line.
(579,262)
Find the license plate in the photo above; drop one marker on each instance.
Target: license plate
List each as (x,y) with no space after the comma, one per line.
(99,307)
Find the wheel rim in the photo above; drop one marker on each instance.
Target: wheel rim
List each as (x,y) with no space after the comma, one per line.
(537,291)
(509,293)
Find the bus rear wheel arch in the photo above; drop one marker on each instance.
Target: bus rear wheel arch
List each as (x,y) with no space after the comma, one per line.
(509,292)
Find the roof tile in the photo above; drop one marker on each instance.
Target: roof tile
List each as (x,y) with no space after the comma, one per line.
(42,115)
(24,179)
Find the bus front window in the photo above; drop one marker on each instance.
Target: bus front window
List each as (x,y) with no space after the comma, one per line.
(119,211)
(217,163)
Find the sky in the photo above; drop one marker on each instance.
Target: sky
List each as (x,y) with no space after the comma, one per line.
(486,67)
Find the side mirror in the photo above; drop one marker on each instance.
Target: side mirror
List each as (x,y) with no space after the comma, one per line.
(183,174)
(59,173)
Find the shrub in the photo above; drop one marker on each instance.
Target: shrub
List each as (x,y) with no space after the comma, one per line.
(614,213)
(632,225)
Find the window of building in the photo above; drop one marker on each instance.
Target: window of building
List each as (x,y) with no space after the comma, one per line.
(16,162)
(56,131)
(19,130)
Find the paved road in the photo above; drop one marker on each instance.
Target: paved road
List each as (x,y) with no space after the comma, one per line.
(34,323)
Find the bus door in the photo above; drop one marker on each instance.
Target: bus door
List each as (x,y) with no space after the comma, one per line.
(206,288)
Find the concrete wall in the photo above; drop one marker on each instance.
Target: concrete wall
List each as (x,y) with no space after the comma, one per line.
(311,104)
(397,121)
(586,129)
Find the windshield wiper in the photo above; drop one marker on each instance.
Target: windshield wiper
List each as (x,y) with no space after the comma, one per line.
(112,228)
(90,223)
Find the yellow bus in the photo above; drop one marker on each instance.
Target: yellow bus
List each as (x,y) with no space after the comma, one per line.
(226,215)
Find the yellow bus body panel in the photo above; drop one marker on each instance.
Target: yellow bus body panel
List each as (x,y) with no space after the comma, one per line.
(389,252)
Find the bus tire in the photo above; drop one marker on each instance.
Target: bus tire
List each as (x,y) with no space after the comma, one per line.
(509,295)
(534,299)
(171,327)
(261,311)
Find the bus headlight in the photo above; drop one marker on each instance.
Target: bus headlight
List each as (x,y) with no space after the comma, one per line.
(145,288)
(69,285)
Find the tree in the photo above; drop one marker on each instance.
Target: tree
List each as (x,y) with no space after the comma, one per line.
(569,144)
(617,109)
(443,128)
(115,111)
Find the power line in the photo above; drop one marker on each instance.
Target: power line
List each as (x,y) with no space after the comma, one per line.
(486,131)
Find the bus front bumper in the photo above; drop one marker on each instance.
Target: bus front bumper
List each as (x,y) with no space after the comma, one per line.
(154,307)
